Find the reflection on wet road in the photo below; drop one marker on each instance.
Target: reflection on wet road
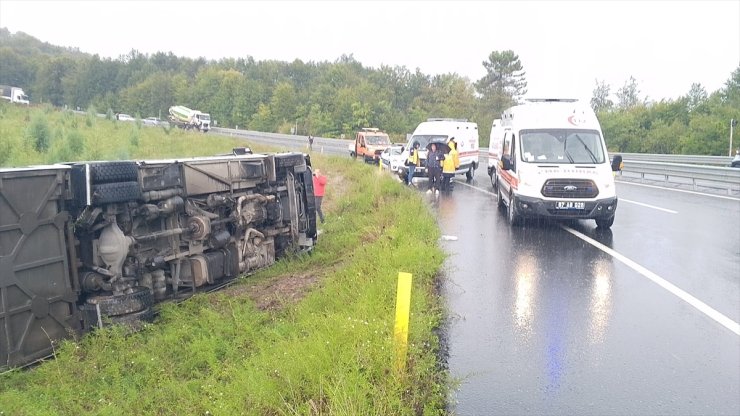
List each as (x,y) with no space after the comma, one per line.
(543,322)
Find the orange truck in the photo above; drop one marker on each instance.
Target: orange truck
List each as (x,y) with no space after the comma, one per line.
(369,144)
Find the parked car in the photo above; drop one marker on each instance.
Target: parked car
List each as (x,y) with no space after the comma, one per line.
(124,117)
(392,157)
(152,121)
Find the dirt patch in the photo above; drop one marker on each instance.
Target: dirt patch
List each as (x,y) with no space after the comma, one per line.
(276,293)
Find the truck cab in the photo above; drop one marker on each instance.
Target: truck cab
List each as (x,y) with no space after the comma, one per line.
(369,144)
(13,94)
(203,121)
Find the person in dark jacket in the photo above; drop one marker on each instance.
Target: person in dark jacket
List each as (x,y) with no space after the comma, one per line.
(434,167)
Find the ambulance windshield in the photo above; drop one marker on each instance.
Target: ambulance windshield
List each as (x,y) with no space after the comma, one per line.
(562,146)
(425,139)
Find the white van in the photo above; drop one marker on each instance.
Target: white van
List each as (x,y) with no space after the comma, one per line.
(554,163)
(439,131)
(495,144)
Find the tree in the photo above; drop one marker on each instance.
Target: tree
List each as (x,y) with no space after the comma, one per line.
(697,96)
(50,76)
(628,95)
(600,100)
(505,77)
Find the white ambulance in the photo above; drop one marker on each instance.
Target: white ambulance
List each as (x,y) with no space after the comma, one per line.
(554,163)
(495,143)
(439,131)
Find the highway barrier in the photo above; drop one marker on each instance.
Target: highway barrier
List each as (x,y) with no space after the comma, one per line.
(693,170)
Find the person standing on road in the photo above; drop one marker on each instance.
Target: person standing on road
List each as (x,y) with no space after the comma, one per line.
(434,165)
(449,165)
(412,163)
(310,142)
(319,184)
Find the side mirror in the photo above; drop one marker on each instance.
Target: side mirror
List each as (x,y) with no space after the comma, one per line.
(617,163)
(506,162)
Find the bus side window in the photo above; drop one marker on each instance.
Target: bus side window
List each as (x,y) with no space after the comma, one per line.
(513,152)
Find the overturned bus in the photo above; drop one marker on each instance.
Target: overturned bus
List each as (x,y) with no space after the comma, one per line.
(85,245)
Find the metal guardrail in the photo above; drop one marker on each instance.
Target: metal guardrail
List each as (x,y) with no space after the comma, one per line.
(636,165)
(681,159)
(695,175)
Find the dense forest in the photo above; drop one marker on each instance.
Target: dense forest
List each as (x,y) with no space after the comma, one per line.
(332,98)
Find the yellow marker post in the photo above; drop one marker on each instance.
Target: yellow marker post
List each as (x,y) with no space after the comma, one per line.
(380,165)
(401,330)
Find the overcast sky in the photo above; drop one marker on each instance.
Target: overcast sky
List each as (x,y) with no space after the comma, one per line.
(563,46)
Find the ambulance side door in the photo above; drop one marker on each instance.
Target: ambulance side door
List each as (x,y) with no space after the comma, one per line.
(506,172)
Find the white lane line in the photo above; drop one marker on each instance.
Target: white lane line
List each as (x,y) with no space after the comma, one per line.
(670,287)
(670,211)
(476,188)
(679,190)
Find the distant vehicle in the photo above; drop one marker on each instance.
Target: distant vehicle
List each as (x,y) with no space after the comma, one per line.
(735,161)
(187,119)
(369,144)
(13,94)
(392,157)
(439,131)
(152,121)
(124,117)
(554,163)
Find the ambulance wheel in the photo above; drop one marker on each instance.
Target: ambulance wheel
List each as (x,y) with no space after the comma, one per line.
(493,180)
(500,198)
(469,175)
(605,223)
(513,217)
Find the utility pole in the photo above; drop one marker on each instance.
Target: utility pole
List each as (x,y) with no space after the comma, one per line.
(733,123)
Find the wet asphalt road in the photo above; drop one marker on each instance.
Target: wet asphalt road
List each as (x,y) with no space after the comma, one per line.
(543,322)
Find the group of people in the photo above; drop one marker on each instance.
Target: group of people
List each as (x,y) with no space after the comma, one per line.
(440,166)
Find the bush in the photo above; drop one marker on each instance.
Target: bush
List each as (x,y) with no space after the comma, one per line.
(134,137)
(76,143)
(6,148)
(39,133)
(109,114)
(91,116)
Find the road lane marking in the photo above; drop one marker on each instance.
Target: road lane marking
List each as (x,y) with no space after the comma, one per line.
(680,190)
(670,287)
(670,211)
(476,188)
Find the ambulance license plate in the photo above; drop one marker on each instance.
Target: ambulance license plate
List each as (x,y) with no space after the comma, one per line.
(570,205)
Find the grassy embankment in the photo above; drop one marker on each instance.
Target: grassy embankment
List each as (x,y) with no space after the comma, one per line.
(226,353)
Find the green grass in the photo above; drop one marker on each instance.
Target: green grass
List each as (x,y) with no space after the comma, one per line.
(329,353)
(42,135)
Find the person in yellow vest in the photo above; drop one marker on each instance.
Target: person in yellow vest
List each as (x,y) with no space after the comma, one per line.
(449,165)
(412,163)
